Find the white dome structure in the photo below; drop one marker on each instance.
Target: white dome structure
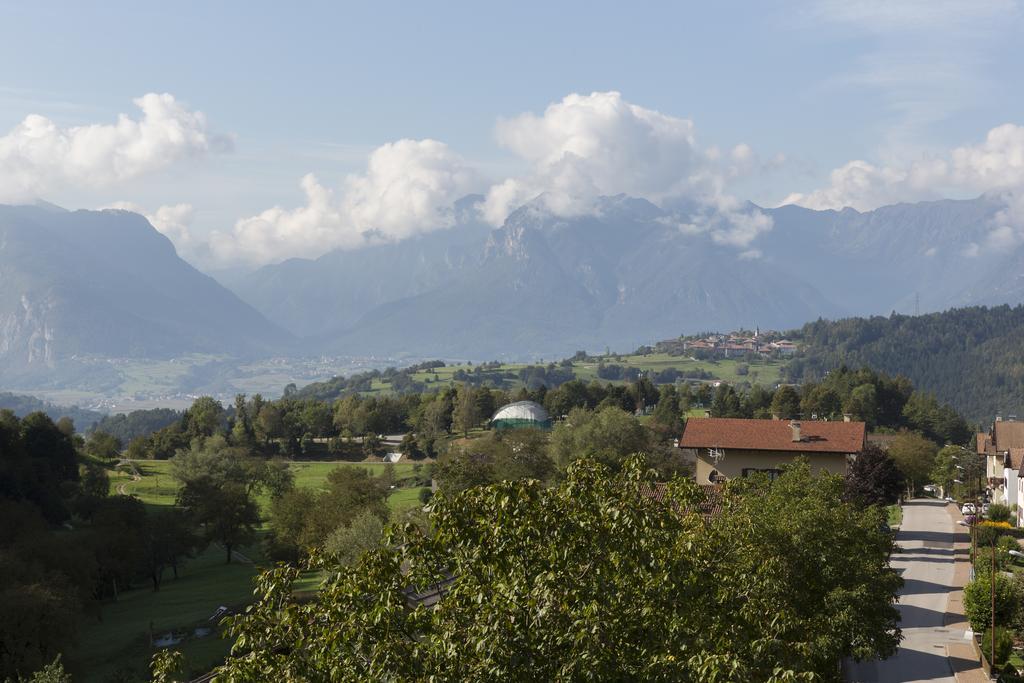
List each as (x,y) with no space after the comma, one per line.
(521,414)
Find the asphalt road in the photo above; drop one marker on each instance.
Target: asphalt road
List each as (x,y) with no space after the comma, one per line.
(926,564)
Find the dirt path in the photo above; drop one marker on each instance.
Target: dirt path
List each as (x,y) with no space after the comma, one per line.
(135,476)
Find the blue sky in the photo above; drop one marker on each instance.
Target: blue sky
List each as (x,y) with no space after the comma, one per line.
(317,87)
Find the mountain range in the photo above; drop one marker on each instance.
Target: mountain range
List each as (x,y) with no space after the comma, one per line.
(76,284)
(542,285)
(80,284)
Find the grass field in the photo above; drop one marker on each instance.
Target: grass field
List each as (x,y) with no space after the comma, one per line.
(766,372)
(120,641)
(157,487)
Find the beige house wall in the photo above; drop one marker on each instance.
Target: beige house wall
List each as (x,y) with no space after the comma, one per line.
(735,461)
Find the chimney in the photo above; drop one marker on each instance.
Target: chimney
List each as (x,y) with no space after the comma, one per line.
(795,426)
(847,417)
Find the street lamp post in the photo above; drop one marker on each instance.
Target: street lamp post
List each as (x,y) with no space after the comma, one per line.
(992,590)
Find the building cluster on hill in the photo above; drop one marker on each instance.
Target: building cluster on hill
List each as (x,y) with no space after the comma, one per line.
(737,344)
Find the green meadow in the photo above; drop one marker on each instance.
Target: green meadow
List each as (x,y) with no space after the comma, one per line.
(116,644)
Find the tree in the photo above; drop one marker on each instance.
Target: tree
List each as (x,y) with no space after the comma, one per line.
(591,579)
(348,543)
(45,582)
(95,481)
(500,456)
(667,419)
(726,402)
(786,403)
(42,458)
(118,538)
(863,404)
(944,470)
(371,442)
(171,538)
(302,519)
(466,413)
(242,432)
(269,423)
(915,457)
(226,511)
(608,435)
(821,401)
(204,418)
(873,478)
(103,446)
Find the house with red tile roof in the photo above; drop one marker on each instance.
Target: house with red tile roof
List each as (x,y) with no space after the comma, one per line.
(727,448)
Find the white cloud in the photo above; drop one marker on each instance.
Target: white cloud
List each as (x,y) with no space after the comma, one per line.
(174,221)
(37,156)
(863,186)
(994,165)
(586,146)
(579,149)
(408,188)
(591,145)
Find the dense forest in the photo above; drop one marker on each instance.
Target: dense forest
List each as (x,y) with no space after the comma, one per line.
(972,358)
(138,423)
(21,405)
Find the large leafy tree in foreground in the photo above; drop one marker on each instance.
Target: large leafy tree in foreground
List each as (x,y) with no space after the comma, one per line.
(593,580)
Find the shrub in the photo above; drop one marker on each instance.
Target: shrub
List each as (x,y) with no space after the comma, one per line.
(997,512)
(977,600)
(989,531)
(1004,644)
(983,562)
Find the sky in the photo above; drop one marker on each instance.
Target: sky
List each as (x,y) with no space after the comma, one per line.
(250,132)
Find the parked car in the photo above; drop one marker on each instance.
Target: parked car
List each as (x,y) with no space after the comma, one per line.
(969,509)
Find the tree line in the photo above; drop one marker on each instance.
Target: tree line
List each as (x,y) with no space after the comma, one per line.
(968,357)
(65,543)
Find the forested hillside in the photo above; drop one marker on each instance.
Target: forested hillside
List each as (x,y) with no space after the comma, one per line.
(21,405)
(972,358)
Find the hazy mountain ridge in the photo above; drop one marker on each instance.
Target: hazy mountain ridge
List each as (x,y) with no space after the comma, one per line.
(87,283)
(106,283)
(543,285)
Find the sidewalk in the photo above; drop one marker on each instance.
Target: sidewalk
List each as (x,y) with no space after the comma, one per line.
(963,659)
